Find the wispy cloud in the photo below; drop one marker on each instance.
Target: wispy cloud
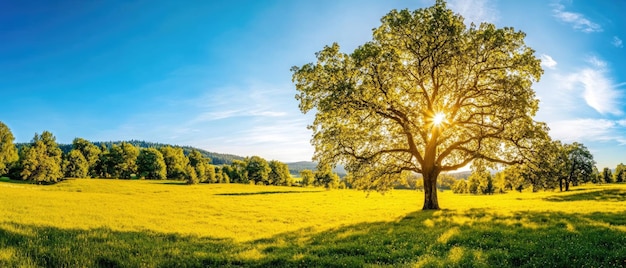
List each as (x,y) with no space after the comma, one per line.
(617,42)
(596,62)
(599,91)
(548,61)
(255,118)
(581,130)
(578,20)
(252,100)
(227,114)
(475,11)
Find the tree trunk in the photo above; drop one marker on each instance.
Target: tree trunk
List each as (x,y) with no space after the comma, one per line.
(430,192)
(566,185)
(561,184)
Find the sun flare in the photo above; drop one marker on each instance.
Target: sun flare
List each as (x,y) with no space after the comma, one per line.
(439,118)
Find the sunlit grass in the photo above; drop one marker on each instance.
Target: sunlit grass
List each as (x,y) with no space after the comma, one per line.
(240,212)
(157,223)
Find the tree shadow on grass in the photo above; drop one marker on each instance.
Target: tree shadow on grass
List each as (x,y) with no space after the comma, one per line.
(611,195)
(269,192)
(425,238)
(8,180)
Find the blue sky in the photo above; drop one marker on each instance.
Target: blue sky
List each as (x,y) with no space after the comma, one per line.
(215,74)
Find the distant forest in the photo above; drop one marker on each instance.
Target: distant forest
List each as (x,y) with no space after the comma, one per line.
(216,158)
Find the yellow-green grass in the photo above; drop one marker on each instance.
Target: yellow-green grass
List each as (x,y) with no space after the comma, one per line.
(119,223)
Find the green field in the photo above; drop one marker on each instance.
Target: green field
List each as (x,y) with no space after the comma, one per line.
(118,223)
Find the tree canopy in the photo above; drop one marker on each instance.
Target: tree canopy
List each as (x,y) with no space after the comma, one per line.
(41,160)
(75,165)
(279,174)
(428,94)
(620,173)
(90,152)
(578,165)
(150,164)
(123,160)
(175,161)
(258,170)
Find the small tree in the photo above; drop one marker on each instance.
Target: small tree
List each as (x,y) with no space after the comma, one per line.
(201,165)
(123,160)
(607,175)
(41,160)
(150,164)
(237,171)
(513,179)
(473,183)
(258,170)
(210,175)
(620,173)
(595,175)
(308,179)
(221,175)
(480,181)
(75,165)
(190,175)
(487,185)
(279,173)
(460,187)
(324,176)
(499,182)
(8,152)
(578,165)
(176,162)
(104,166)
(90,152)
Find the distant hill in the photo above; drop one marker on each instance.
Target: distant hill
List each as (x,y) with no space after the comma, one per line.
(296,167)
(460,174)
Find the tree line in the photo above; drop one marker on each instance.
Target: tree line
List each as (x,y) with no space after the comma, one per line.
(42,161)
(555,165)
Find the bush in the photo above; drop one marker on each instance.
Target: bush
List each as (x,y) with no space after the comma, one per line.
(460,187)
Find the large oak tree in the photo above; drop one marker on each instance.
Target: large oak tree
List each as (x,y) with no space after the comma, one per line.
(428,94)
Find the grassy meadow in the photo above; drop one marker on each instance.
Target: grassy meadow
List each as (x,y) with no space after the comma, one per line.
(120,223)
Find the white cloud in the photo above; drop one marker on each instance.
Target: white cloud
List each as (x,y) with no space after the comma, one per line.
(548,61)
(599,91)
(588,130)
(617,42)
(578,21)
(226,114)
(475,11)
(596,62)
(258,100)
